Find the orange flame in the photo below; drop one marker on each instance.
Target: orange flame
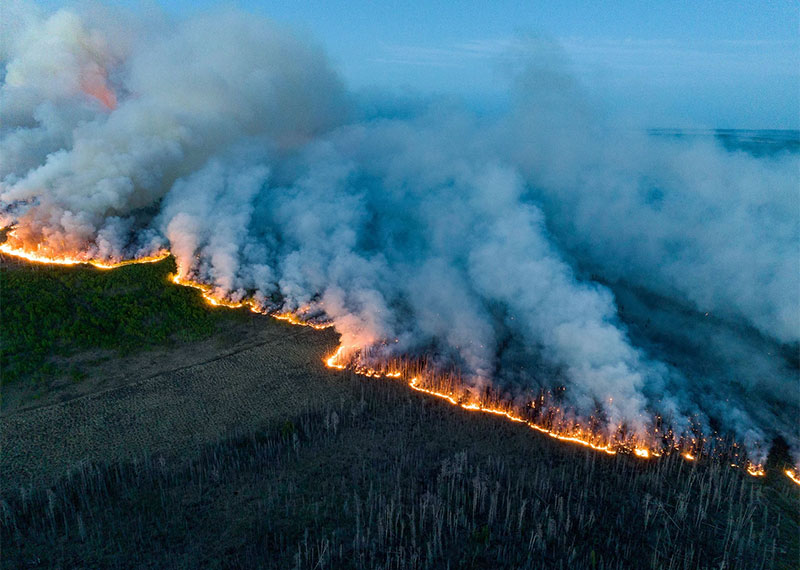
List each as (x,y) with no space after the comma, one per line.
(576,436)
(338,361)
(103,94)
(95,84)
(210,297)
(293,319)
(333,360)
(66,260)
(207,291)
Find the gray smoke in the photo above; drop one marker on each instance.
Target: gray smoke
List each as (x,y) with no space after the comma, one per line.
(547,247)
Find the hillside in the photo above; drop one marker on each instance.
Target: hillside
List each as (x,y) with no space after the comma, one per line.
(246,452)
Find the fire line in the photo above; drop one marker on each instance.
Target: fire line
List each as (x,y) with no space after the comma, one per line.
(335,360)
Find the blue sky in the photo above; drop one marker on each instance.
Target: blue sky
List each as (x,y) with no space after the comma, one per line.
(681,64)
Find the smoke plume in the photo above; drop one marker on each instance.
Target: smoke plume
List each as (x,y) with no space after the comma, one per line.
(547,247)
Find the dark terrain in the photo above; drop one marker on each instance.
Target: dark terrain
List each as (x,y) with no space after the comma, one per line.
(245,452)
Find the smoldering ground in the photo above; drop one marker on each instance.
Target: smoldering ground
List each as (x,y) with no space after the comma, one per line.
(502,245)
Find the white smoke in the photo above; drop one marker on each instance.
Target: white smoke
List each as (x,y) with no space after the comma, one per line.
(233,143)
(189,92)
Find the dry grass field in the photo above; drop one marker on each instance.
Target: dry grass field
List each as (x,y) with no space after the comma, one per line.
(215,388)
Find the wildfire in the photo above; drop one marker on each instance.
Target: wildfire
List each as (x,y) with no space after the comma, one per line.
(338,361)
(576,436)
(293,319)
(207,291)
(208,294)
(35,257)
(333,360)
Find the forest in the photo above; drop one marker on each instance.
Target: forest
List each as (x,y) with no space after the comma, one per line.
(50,311)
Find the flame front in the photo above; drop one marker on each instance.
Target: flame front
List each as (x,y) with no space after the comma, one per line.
(35,257)
(339,360)
(576,435)
(207,291)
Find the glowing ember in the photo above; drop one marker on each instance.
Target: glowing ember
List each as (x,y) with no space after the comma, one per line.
(688,456)
(791,474)
(641,452)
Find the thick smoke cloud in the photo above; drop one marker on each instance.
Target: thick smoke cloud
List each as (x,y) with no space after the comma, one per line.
(184,94)
(539,249)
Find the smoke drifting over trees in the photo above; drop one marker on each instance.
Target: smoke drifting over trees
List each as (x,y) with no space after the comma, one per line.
(499,245)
